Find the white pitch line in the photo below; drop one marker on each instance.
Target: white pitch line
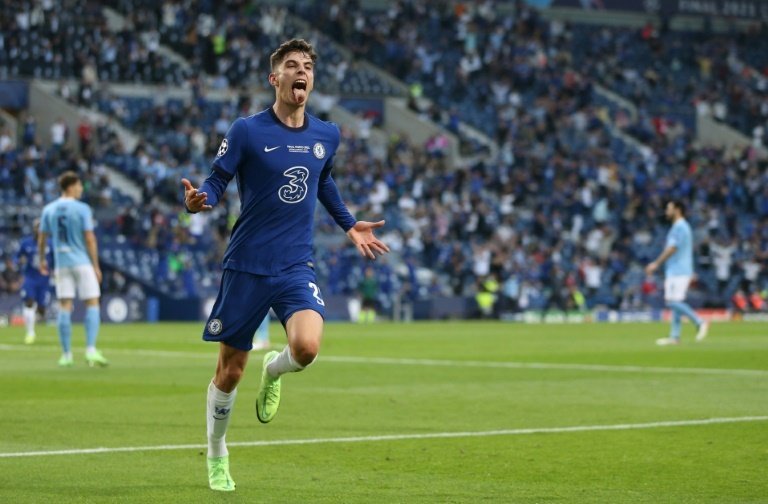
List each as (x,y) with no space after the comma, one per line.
(544,365)
(448,363)
(400,437)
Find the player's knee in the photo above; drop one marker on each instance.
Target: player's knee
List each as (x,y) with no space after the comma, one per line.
(305,353)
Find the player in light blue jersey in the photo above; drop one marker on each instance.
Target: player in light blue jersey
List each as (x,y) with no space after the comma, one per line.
(36,288)
(677,259)
(69,223)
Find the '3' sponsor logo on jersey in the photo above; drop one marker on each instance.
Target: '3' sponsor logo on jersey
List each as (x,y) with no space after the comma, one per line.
(296,188)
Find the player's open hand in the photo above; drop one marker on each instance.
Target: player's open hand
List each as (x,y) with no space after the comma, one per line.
(365,241)
(195,201)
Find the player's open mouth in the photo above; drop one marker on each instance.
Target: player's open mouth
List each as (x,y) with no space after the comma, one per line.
(299,90)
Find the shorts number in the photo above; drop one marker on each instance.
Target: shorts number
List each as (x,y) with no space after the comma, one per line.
(316,293)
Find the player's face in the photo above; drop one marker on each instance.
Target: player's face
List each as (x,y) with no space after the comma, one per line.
(77,190)
(670,211)
(294,79)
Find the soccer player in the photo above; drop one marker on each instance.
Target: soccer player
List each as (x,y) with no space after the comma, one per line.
(69,223)
(282,159)
(35,290)
(677,258)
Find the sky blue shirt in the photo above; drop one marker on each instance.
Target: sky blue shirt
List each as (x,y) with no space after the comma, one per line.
(66,220)
(680,263)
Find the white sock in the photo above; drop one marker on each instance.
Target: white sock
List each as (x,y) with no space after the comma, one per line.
(90,349)
(29,319)
(284,363)
(219,410)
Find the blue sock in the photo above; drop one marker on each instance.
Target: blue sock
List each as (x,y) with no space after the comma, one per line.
(685,309)
(674,331)
(65,331)
(92,321)
(262,333)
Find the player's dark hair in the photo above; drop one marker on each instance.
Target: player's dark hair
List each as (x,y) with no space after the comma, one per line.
(679,205)
(68,179)
(293,45)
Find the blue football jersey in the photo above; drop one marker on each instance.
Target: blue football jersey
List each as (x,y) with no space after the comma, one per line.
(28,251)
(680,263)
(281,172)
(65,220)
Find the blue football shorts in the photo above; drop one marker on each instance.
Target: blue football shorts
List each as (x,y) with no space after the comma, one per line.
(37,289)
(244,300)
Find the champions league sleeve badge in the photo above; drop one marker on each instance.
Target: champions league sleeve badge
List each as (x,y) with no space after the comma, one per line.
(223,148)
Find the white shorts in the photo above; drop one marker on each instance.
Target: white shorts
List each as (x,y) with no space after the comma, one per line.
(81,279)
(676,287)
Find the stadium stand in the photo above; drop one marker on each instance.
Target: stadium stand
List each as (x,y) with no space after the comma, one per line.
(569,205)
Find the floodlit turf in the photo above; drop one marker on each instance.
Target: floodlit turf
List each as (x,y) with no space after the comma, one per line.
(388,382)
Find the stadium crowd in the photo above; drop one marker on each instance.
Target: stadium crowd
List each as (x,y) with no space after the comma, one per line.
(565,217)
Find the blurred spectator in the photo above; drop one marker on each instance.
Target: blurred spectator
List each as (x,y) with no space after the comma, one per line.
(369,293)
(10,277)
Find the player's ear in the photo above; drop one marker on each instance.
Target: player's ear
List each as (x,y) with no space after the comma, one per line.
(273,79)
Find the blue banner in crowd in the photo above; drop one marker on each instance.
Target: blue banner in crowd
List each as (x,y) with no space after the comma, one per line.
(14,95)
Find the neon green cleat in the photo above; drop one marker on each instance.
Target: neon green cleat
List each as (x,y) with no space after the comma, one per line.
(29,338)
(268,399)
(218,474)
(96,358)
(66,361)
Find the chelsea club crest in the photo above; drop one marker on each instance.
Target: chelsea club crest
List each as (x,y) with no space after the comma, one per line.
(215,326)
(318,150)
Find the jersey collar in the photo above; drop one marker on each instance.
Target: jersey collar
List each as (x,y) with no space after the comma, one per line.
(289,128)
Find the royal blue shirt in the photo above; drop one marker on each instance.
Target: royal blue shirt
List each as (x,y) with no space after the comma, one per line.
(28,250)
(281,172)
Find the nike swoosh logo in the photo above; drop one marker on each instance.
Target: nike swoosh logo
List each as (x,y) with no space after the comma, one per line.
(268,149)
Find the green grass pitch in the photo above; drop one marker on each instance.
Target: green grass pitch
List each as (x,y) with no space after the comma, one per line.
(420,413)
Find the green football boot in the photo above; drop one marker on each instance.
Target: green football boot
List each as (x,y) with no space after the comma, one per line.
(66,361)
(218,474)
(95,358)
(268,399)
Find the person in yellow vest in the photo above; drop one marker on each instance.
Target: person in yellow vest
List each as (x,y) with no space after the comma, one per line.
(486,296)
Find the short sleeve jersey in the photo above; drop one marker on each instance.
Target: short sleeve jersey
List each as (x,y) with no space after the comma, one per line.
(680,263)
(65,220)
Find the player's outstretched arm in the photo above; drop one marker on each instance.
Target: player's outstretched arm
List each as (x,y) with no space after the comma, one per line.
(194,201)
(366,242)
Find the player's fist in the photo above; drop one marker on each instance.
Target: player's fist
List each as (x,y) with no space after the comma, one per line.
(194,200)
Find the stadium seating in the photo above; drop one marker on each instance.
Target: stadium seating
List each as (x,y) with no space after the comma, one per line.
(567,200)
